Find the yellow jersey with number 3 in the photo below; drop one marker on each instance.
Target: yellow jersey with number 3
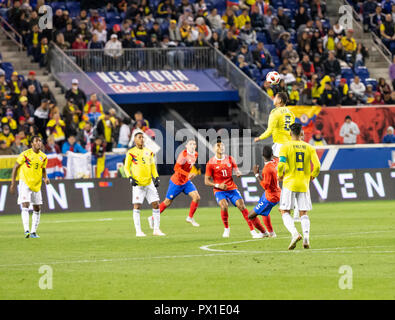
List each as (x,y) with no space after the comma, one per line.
(140,165)
(31,170)
(280,119)
(295,164)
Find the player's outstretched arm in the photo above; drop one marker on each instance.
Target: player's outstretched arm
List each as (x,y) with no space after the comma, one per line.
(14,173)
(316,164)
(272,123)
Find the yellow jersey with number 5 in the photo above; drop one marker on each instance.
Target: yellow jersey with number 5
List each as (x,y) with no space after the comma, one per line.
(280,119)
(295,164)
(31,170)
(140,164)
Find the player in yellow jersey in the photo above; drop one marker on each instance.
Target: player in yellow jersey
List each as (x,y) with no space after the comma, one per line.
(294,169)
(141,169)
(32,163)
(280,119)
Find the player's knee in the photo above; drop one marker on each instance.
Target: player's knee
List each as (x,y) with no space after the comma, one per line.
(196,197)
(155,205)
(224,206)
(167,202)
(137,206)
(36,208)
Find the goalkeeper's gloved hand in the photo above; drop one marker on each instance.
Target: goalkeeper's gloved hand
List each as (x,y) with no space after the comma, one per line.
(133,181)
(156,182)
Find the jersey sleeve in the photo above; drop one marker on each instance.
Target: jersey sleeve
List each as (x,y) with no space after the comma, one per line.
(272,123)
(233,163)
(178,166)
(128,162)
(316,162)
(45,163)
(21,158)
(154,171)
(266,178)
(209,170)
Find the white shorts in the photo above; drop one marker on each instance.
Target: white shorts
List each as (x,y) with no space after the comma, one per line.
(141,192)
(288,199)
(27,195)
(276,149)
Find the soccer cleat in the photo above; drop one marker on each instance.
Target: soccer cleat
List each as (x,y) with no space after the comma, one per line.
(255,235)
(151,222)
(140,234)
(272,235)
(157,232)
(294,241)
(27,234)
(192,221)
(306,243)
(34,235)
(226,233)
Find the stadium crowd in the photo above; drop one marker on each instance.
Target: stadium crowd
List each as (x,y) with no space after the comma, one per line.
(318,63)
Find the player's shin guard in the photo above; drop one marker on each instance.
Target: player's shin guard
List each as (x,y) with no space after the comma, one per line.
(249,222)
(162,207)
(193,208)
(257,224)
(136,220)
(289,224)
(156,215)
(225,216)
(35,221)
(25,218)
(305,222)
(268,223)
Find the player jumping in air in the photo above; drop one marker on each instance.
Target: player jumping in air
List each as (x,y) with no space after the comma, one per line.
(219,172)
(141,169)
(33,165)
(269,183)
(294,169)
(180,181)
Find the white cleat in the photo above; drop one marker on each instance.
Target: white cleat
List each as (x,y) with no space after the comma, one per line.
(157,232)
(226,233)
(255,235)
(140,234)
(272,235)
(294,241)
(151,222)
(306,243)
(192,221)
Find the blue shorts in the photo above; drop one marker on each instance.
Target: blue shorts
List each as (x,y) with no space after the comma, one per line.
(174,189)
(264,206)
(232,196)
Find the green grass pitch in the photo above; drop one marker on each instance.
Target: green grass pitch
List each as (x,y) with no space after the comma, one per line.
(97,256)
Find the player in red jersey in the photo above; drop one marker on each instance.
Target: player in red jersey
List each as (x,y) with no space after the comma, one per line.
(269,183)
(219,172)
(180,181)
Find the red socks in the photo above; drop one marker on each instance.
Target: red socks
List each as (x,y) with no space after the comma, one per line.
(162,207)
(193,208)
(268,223)
(258,225)
(249,222)
(224,216)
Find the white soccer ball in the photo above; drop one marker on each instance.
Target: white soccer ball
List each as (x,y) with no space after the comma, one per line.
(273,77)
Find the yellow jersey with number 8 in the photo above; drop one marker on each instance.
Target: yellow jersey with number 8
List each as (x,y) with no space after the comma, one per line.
(295,164)
(280,119)
(31,170)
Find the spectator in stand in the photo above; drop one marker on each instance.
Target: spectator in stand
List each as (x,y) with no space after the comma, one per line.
(4,148)
(24,108)
(71,116)
(69,34)
(382,86)
(275,29)
(369,93)
(9,120)
(18,146)
(283,19)
(301,17)
(291,55)
(99,147)
(392,72)
(350,45)
(387,32)
(41,117)
(376,19)
(360,56)
(343,88)
(389,137)
(61,42)
(358,88)
(261,57)
(138,116)
(7,136)
(317,139)
(294,95)
(388,97)
(378,99)
(86,136)
(77,94)
(33,43)
(93,101)
(330,96)
(174,32)
(305,96)
(31,80)
(307,66)
(33,97)
(214,19)
(105,128)
(124,133)
(94,115)
(349,131)
(113,52)
(72,145)
(15,84)
(332,65)
(243,65)
(51,146)
(369,8)
(230,45)
(101,33)
(349,99)
(257,20)
(56,127)
(46,93)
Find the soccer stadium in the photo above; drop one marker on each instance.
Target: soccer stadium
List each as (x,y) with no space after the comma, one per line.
(197,150)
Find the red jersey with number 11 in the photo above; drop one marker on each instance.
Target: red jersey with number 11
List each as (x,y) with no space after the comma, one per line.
(221,171)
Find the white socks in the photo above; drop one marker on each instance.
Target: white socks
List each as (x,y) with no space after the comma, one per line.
(25,218)
(156,216)
(305,222)
(35,221)
(136,219)
(289,224)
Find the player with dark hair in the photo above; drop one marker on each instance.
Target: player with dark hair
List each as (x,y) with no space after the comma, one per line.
(294,169)
(280,119)
(269,183)
(180,181)
(33,163)
(219,171)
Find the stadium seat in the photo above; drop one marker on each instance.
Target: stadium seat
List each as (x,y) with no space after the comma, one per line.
(265,72)
(3,12)
(371,81)
(74,5)
(362,72)
(8,69)
(347,73)
(261,37)
(58,5)
(272,49)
